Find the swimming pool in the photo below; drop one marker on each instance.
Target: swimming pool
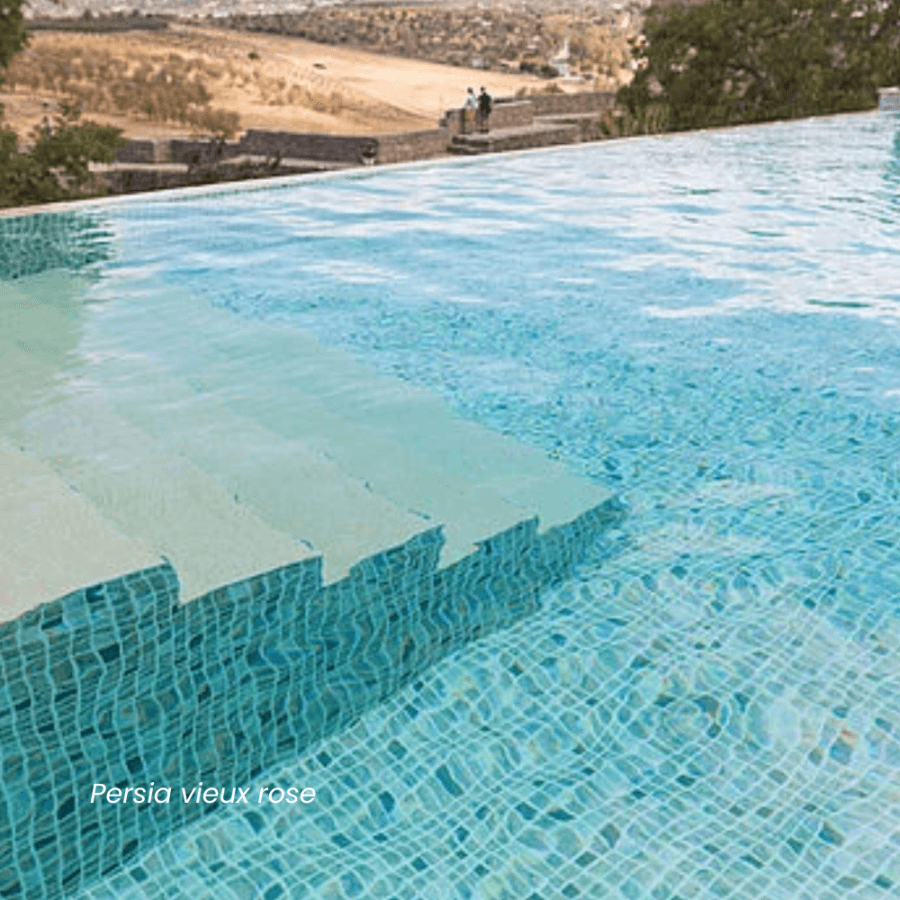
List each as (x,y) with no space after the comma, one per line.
(704,324)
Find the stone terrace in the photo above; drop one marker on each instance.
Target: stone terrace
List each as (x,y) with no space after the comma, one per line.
(517,123)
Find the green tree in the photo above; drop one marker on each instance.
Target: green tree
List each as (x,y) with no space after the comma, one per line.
(730,61)
(12,31)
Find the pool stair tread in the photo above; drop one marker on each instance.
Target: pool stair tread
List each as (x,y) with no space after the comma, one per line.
(523,137)
(53,539)
(401,440)
(157,498)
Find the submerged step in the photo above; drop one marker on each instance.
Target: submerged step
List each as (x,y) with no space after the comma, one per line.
(231,446)
(256,539)
(167,455)
(54,540)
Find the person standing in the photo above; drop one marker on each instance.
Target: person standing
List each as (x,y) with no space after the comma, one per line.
(470,110)
(484,110)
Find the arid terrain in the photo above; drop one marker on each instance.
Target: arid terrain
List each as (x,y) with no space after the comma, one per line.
(198,78)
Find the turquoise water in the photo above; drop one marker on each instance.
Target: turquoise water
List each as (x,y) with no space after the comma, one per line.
(707,324)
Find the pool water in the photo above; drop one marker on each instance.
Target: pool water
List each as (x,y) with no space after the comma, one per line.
(708,324)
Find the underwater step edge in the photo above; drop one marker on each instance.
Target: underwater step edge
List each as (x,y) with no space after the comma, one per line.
(121,684)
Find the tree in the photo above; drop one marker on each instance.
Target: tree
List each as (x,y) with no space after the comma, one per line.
(12,31)
(57,167)
(730,61)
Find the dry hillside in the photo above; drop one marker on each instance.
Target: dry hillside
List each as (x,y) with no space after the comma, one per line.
(197,78)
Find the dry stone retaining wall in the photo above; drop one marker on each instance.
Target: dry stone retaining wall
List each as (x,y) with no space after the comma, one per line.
(305,145)
(396,148)
(583,102)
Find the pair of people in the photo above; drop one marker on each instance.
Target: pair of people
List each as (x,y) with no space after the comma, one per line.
(477,108)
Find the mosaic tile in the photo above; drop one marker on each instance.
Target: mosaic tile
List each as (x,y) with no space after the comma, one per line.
(151,692)
(35,243)
(706,707)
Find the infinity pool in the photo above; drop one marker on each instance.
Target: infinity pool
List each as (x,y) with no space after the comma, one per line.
(708,326)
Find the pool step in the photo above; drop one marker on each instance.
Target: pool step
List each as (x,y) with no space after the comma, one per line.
(231,446)
(525,137)
(54,539)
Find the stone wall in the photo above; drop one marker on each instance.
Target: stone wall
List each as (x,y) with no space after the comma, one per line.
(145,151)
(349,149)
(135,178)
(588,127)
(306,145)
(507,112)
(410,146)
(198,151)
(140,179)
(889,99)
(122,685)
(205,156)
(582,102)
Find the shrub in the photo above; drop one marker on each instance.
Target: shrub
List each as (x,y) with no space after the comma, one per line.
(57,168)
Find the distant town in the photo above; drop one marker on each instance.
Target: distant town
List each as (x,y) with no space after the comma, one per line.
(223,8)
